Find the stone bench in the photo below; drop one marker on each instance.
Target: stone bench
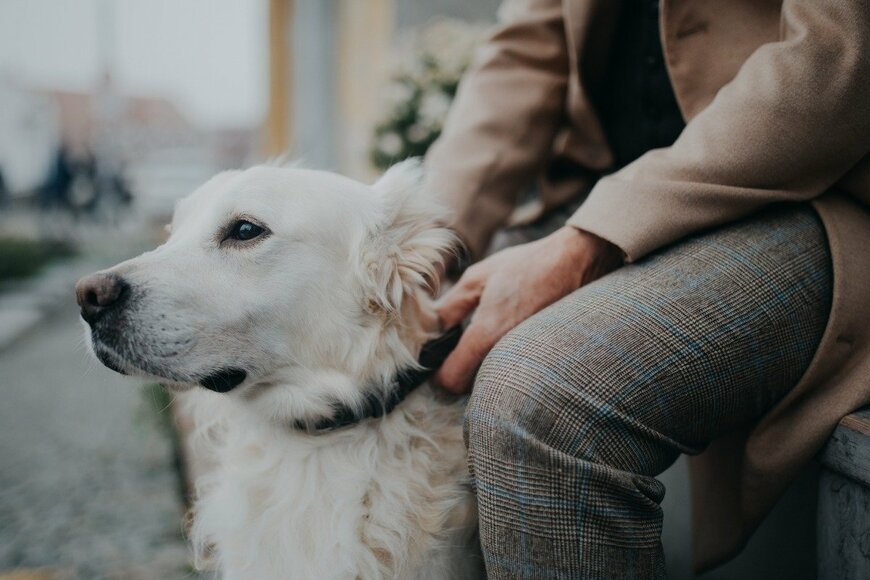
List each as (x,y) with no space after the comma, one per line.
(843,525)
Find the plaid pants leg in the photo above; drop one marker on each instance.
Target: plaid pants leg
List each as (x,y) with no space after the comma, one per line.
(576,411)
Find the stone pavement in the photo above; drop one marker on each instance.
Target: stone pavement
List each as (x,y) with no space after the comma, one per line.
(87,482)
(24,303)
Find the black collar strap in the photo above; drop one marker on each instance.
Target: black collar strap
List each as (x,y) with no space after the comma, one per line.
(432,355)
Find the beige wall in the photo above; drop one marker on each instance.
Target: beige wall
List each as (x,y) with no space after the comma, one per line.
(365,32)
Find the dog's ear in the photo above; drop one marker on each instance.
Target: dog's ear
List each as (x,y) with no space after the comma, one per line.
(404,251)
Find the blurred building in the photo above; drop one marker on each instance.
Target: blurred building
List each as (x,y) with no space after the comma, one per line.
(145,140)
(30,130)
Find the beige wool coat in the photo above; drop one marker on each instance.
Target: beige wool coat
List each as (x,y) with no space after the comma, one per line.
(776,95)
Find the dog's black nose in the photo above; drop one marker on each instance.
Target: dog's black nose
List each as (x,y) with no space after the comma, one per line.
(99,293)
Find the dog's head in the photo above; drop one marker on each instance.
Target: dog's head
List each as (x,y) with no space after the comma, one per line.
(284,288)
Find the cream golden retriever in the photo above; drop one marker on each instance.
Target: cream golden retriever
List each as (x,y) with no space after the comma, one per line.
(288,309)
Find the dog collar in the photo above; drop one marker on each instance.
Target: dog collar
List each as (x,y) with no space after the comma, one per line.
(432,355)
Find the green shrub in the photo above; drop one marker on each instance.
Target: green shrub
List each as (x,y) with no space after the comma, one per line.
(20,258)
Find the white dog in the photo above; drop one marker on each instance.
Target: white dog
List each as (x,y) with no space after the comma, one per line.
(300,300)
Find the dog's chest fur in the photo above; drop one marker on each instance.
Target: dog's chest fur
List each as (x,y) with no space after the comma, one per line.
(384,499)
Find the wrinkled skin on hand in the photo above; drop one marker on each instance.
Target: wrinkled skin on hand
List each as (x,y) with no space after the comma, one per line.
(510,286)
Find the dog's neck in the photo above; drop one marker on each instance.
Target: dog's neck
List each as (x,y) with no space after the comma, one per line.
(380,402)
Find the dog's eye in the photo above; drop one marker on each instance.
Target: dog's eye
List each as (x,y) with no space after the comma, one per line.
(243,231)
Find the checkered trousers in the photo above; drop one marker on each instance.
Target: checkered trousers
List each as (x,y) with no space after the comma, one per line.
(577,410)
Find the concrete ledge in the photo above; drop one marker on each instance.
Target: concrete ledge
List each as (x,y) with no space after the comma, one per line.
(843,528)
(848,451)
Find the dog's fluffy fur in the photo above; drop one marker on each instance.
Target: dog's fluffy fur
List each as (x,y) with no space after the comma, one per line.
(324,307)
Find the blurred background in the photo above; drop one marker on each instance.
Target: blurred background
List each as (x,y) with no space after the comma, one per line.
(110,111)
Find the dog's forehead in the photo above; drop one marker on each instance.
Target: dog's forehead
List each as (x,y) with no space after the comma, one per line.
(273,193)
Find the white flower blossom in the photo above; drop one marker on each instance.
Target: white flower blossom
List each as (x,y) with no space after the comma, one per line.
(390,144)
(450,43)
(399,93)
(433,108)
(418,133)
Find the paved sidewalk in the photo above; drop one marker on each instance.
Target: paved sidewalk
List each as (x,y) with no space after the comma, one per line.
(24,304)
(27,302)
(87,484)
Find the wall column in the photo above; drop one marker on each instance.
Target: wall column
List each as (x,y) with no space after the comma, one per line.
(278,129)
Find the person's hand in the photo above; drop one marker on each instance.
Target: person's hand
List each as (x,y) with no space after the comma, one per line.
(512,285)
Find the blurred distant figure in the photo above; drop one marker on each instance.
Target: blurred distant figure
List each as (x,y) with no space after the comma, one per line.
(82,187)
(4,191)
(111,193)
(55,193)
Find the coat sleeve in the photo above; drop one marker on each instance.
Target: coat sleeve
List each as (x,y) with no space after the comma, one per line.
(501,126)
(791,123)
